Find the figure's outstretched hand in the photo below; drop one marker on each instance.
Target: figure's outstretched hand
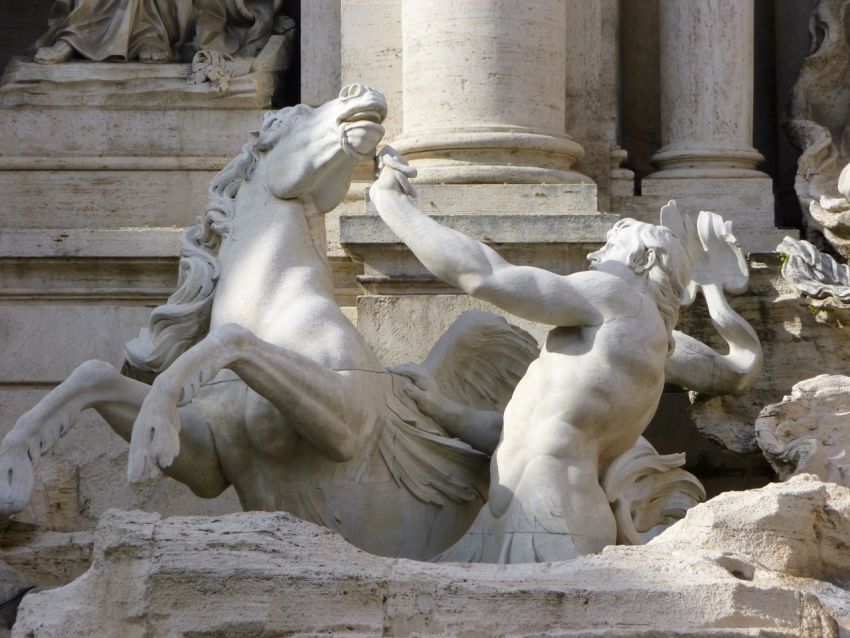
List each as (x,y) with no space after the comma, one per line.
(422,389)
(394,172)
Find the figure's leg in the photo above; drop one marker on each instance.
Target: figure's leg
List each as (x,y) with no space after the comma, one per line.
(334,410)
(100,386)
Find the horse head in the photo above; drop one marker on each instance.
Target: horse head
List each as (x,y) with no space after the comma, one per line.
(301,153)
(309,153)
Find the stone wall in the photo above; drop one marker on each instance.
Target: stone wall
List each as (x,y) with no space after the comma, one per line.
(100,174)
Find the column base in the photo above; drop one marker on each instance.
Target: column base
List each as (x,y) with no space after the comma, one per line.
(492,156)
(707,163)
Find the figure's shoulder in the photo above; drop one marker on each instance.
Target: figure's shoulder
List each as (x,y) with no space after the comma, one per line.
(601,283)
(607,292)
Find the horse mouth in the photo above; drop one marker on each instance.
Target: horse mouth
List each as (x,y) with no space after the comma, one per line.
(369,110)
(375,117)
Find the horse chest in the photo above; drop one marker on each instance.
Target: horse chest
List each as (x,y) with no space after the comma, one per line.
(271,274)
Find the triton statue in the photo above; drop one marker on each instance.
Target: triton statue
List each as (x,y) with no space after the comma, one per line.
(592,391)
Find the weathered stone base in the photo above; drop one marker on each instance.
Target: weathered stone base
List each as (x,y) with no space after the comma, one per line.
(269,574)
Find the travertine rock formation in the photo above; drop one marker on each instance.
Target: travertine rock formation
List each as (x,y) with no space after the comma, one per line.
(799,528)
(820,111)
(763,562)
(808,432)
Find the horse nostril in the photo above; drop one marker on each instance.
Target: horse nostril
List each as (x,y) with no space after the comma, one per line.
(350,91)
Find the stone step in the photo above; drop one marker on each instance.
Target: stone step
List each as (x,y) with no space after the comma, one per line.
(53,133)
(102,199)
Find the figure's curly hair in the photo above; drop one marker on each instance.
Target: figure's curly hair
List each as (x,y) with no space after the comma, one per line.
(671,272)
(184,319)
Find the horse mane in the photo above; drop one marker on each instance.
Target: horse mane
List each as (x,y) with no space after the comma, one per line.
(185,317)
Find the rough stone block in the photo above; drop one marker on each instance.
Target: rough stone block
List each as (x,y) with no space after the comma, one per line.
(270,574)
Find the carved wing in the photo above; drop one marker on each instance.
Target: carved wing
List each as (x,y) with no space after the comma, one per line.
(479,360)
(477,363)
(430,465)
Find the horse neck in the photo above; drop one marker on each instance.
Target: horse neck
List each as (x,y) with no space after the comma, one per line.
(273,257)
(258,213)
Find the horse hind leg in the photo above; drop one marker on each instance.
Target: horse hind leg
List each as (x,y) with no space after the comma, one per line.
(38,430)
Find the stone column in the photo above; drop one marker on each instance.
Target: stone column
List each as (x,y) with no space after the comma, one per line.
(484,92)
(707,89)
(485,88)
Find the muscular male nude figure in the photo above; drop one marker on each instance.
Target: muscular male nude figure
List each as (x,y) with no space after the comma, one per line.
(589,395)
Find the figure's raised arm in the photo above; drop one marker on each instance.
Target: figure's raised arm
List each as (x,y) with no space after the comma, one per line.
(478,270)
(719,266)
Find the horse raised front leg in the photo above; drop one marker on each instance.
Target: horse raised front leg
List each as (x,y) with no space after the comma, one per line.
(97,385)
(334,410)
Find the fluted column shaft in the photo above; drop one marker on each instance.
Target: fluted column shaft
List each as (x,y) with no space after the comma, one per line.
(484,91)
(707,89)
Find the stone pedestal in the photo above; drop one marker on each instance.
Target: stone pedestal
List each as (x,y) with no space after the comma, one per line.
(747,203)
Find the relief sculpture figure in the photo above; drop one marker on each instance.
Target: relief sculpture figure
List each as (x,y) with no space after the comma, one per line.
(155,30)
(588,397)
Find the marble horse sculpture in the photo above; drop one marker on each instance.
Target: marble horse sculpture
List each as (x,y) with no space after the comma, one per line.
(590,394)
(261,381)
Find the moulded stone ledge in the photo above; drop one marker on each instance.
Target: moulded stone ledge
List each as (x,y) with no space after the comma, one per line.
(537,228)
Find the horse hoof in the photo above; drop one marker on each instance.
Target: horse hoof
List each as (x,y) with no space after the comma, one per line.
(141,467)
(155,441)
(16,480)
